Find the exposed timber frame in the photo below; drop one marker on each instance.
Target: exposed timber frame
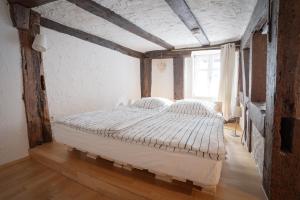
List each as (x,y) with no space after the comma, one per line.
(30,3)
(146,76)
(282,124)
(282,141)
(258,19)
(34,96)
(185,52)
(120,21)
(89,37)
(182,10)
(178,65)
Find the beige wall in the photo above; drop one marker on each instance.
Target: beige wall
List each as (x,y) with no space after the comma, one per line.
(13,129)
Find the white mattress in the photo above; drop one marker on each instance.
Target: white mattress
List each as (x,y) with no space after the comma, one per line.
(202,171)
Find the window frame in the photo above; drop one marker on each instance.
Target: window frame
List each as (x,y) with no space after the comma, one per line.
(209,70)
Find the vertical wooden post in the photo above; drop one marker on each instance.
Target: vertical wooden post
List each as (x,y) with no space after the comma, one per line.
(146,76)
(178,70)
(282,142)
(35,98)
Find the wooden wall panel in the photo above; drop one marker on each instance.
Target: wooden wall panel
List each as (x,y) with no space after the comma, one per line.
(245,71)
(146,76)
(178,63)
(258,68)
(35,98)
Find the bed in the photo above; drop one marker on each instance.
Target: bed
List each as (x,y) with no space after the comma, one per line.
(110,122)
(184,141)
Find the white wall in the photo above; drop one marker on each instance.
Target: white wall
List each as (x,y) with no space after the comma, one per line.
(13,129)
(81,76)
(162,80)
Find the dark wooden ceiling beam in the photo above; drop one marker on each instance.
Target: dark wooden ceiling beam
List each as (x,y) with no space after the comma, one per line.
(258,19)
(182,10)
(89,37)
(185,52)
(118,20)
(30,3)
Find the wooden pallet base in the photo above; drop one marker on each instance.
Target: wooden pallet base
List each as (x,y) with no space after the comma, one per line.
(158,176)
(96,173)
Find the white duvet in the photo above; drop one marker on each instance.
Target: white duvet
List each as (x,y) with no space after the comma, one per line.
(107,122)
(197,135)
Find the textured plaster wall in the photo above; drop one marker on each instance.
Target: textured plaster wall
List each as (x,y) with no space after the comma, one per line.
(162,80)
(81,76)
(13,129)
(258,146)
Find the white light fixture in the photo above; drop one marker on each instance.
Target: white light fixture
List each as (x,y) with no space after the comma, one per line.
(161,65)
(40,43)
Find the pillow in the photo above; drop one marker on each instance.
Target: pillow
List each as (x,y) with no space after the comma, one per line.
(152,103)
(192,107)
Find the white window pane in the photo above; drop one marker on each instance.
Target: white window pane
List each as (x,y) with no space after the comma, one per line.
(201,62)
(206,75)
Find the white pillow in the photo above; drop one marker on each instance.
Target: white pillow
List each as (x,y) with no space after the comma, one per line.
(192,107)
(152,103)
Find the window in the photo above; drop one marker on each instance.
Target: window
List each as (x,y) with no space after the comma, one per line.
(206,74)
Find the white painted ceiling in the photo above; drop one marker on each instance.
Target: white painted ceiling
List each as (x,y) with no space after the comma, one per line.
(222,21)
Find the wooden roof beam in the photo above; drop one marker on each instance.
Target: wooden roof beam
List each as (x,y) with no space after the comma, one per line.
(258,19)
(182,10)
(185,52)
(118,20)
(30,3)
(89,37)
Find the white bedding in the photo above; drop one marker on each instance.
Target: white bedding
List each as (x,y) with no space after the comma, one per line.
(107,122)
(180,166)
(192,134)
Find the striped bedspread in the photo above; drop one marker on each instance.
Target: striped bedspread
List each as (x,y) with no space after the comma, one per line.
(107,122)
(192,134)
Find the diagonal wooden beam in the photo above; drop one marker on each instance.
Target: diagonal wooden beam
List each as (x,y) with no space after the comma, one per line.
(118,20)
(89,37)
(182,10)
(258,19)
(30,3)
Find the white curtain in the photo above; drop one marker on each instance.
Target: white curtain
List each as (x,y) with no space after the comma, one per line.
(227,87)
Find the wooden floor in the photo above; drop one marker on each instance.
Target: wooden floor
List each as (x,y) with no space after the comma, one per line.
(30,179)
